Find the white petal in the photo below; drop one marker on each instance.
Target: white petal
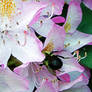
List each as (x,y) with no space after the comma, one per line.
(10,82)
(27,49)
(5,52)
(25,70)
(81,89)
(43,26)
(74,17)
(76,40)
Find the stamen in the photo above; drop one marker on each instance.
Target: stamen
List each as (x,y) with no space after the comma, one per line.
(52,10)
(38,70)
(78,56)
(3,41)
(25,33)
(25,39)
(83,57)
(17,23)
(66,45)
(7,7)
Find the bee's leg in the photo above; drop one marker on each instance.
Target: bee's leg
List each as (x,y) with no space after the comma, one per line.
(53,52)
(41,64)
(64,57)
(34,89)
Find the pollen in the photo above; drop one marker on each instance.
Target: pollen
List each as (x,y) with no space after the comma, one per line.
(49,47)
(67,27)
(7,8)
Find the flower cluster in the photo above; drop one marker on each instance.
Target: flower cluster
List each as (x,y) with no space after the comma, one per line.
(47,65)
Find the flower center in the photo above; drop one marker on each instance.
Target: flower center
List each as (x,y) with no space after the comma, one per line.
(7,7)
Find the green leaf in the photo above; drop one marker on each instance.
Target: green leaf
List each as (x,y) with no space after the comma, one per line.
(86,27)
(86,24)
(88,60)
(13,62)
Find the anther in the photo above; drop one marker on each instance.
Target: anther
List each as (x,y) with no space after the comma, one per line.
(6,25)
(3,41)
(17,23)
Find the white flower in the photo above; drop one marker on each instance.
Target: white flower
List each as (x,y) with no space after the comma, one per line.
(15,36)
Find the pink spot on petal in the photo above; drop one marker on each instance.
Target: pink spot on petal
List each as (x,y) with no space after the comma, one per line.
(58,19)
(65,78)
(90,43)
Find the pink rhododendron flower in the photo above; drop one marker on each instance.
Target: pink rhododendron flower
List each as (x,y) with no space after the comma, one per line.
(53,6)
(74,39)
(45,24)
(15,36)
(42,79)
(88,3)
(36,73)
(78,85)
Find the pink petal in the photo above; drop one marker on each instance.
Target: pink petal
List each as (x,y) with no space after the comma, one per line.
(74,17)
(46,86)
(64,78)
(36,17)
(80,89)
(88,3)
(85,74)
(54,7)
(9,81)
(25,71)
(65,85)
(56,36)
(35,74)
(58,19)
(90,43)
(69,65)
(78,80)
(29,10)
(58,6)
(43,26)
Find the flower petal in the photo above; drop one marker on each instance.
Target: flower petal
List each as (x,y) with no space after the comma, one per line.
(46,86)
(57,37)
(58,6)
(69,1)
(88,3)
(77,81)
(5,52)
(74,17)
(67,85)
(58,19)
(29,10)
(90,43)
(76,40)
(25,71)
(70,64)
(35,74)
(54,7)
(11,82)
(80,89)
(27,48)
(43,26)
